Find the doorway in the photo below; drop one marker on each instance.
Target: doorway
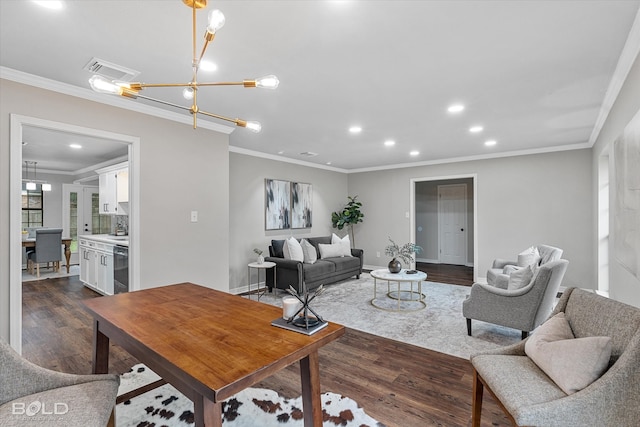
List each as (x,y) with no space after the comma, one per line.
(18,124)
(444,220)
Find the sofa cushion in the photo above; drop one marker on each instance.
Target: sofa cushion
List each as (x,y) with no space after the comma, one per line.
(345,263)
(319,270)
(330,251)
(572,363)
(529,256)
(315,241)
(292,250)
(496,278)
(344,243)
(309,252)
(278,248)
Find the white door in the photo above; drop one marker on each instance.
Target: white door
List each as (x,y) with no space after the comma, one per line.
(452,223)
(76,214)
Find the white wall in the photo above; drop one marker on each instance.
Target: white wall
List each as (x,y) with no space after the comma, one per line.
(522,201)
(181,169)
(247,204)
(623,286)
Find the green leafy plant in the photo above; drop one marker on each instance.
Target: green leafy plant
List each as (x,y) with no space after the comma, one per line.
(404,252)
(349,216)
(257,251)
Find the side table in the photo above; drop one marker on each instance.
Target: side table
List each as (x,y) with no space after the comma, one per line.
(264,266)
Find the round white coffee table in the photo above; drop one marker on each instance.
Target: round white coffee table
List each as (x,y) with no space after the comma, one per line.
(400,294)
(260,266)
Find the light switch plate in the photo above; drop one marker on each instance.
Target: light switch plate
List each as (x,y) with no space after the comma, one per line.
(194,216)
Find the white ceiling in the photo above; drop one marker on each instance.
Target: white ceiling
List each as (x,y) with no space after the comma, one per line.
(533,73)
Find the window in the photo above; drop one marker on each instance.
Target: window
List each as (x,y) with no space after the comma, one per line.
(32,207)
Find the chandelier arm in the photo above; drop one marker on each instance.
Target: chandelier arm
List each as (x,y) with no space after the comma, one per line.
(238,122)
(223,84)
(171,104)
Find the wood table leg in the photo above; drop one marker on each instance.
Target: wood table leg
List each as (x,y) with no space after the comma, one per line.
(67,254)
(311,402)
(100,360)
(207,413)
(476,405)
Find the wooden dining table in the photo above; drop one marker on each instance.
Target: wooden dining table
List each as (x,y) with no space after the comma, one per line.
(66,241)
(208,344)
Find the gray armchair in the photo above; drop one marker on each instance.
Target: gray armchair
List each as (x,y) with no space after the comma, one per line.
(523,308)
(498,274)
(530,398)
(35,396)
(48,249)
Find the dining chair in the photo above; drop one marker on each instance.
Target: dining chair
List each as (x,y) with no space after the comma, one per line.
(48,249)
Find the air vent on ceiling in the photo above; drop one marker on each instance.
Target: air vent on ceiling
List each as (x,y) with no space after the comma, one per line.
(309,154)
(110,70)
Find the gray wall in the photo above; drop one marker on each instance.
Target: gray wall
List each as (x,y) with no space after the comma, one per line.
(181,169)
(522,201)
(426,206)
(623,286)
(247,204)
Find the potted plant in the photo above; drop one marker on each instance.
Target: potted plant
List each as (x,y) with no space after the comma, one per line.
(404,252)
(349,216)
(259,253)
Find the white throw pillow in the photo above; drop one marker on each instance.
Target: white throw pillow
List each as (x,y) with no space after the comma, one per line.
(309,252)
(529,256)
(520,278)
(344,242)
(330,251)
(293,250)
(572,363)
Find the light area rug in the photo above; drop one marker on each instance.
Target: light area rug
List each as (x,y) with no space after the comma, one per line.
(440,326)
(252,407)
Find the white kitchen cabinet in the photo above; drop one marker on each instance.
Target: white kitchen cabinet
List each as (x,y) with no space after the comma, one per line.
(96,265)
(113,189)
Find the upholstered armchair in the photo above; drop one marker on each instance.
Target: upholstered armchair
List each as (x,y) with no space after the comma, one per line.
(35,396)
(501,269)
(524,308)
(531,398)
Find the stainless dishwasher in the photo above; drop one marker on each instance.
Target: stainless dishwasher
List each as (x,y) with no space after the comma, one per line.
(120,269)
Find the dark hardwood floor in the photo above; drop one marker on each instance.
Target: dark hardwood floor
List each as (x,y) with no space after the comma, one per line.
(396,383)
(447,273)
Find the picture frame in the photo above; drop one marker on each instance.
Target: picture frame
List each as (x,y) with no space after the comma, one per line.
(277,204)
(301,205)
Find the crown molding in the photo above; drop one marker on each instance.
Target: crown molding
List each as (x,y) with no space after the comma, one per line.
(253,153)
(114,101)
(628,56)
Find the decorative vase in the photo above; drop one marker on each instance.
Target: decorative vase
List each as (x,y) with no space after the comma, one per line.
(395,266)
(260,259)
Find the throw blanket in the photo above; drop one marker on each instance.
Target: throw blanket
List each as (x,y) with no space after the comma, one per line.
(165,406)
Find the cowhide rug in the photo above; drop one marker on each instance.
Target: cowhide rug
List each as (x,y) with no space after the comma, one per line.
(253,407)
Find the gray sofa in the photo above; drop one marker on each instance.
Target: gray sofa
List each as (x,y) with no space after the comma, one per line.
(322,272)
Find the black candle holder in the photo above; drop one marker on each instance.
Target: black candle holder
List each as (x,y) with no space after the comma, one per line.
(306,320)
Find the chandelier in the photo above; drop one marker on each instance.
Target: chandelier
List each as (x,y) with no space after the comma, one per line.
(132,90)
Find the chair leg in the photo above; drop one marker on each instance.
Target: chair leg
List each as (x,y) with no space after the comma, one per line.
(469,327)
(112,418)
(476,404)
(37,269)
(525,334)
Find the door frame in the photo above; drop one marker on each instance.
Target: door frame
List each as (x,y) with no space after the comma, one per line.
(412,209)
(15,217)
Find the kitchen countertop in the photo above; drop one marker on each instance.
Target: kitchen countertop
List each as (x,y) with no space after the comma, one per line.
(107,238)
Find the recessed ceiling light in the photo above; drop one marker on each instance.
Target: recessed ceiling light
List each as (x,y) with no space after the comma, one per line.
(414,153)
(389,143)
(476,129)
(490,142)
(455,108)
(328,163)
(76,146)
(208,66)
(280,152)
(355,129)
(50,4)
